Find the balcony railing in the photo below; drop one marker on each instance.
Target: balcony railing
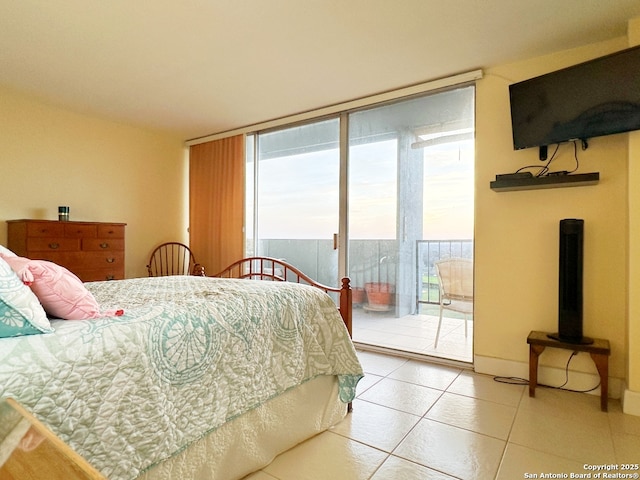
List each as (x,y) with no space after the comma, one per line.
(373,261)
(429,252)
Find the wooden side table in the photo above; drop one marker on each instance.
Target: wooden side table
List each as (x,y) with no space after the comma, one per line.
(599,351)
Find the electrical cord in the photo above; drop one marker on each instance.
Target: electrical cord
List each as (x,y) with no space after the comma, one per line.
(544,170)
(524,381)
(575,153)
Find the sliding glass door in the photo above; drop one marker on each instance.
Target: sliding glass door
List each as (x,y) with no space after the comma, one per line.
(396,181)
(296,197)
(410,187)
(398,184)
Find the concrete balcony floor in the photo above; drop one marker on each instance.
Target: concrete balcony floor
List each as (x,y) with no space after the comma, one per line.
(415,334)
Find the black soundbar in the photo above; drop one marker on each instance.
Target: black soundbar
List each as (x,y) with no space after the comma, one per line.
(509,183)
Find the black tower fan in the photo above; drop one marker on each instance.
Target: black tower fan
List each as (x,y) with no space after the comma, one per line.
(570,283)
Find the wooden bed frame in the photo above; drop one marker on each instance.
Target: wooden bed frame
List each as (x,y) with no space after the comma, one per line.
(267,268)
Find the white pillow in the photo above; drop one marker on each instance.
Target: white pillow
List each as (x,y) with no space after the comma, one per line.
(6,252)
(20,310)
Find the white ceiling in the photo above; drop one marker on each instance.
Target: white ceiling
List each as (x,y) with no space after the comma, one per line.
(197,67)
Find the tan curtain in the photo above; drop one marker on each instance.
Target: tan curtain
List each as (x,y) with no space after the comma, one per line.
(216,202)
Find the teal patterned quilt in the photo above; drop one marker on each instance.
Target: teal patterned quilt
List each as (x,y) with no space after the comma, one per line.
(189,354)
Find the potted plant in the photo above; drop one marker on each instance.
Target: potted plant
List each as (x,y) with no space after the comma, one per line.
(357,295)
(379,295)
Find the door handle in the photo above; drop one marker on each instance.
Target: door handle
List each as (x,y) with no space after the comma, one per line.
(335,241)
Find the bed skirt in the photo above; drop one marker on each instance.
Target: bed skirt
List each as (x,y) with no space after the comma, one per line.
(251,441)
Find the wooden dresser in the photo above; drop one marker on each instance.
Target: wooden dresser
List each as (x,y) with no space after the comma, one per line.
(93,251)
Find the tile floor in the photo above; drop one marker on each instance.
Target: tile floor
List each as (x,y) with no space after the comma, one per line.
(414,420)
(416,333)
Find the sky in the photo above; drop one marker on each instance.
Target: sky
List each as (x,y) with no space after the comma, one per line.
(298,194)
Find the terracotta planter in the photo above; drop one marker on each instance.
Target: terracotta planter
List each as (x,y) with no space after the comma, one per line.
(357,295)
(378,294)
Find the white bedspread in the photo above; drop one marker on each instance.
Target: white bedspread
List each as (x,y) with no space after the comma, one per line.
(188,354)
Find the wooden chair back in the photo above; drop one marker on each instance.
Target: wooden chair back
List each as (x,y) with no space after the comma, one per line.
(173,258)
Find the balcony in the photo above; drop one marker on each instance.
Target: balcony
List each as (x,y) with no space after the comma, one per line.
(414,333)
(409,320)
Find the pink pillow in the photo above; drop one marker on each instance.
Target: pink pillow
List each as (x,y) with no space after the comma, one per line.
(60,292)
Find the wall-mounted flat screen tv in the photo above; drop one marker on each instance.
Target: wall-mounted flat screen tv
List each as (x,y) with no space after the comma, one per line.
(591,99)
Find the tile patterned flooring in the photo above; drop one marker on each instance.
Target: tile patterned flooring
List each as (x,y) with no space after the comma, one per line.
(416,333)
(416,420)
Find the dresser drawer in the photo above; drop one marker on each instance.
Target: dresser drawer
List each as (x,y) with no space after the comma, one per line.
(100,274)
(110,231)
(69,260)
(60,244)
(79,230)
(45,229)
(83,259)
(103,244)
(103,259)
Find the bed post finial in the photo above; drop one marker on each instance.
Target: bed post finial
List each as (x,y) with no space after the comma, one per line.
(346,304)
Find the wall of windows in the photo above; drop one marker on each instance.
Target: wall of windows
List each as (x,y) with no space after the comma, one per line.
(356,191)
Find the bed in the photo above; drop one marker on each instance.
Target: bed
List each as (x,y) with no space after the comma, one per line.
(191,377)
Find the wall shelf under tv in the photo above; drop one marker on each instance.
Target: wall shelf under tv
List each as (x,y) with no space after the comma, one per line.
(554,181)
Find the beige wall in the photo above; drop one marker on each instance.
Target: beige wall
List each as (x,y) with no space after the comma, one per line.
(517,234)
(105,171)
(632,396)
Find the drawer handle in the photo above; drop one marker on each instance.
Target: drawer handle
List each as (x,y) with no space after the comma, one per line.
(104,245)
(111,260)
(111,277)
(54,245)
